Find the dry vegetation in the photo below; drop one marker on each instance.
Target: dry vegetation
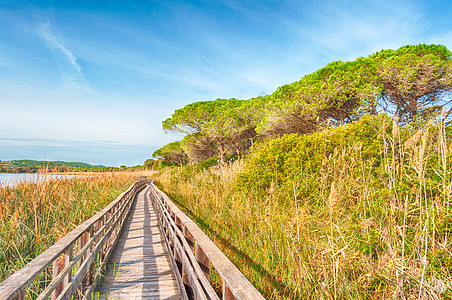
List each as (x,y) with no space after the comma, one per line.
(33,216)
(361,211)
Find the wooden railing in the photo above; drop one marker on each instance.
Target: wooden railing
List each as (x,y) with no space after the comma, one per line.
(194,255)
(74,265)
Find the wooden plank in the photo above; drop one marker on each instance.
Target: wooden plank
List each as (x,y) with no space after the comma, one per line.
(145,276)
(14,286)
(192,274)
(139,266)
(234,280)
(18,282)
(82,241)
(177,272)
(124,211)
(189,276)
(97,251)
(57,284)
(20,296)
(203,261)
(58,266)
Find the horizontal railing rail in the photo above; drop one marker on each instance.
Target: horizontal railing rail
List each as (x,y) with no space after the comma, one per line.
(58,273)
(194,255)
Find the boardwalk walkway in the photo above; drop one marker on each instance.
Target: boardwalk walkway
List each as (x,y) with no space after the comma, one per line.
(139,267)
(122,253)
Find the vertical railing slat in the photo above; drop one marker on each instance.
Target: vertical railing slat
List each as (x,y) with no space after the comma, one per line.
(227,294)
(203,261)
(68,254)
(83,239)
(20,296)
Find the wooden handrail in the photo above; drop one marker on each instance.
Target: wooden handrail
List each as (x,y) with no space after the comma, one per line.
(195,254)
(92,242)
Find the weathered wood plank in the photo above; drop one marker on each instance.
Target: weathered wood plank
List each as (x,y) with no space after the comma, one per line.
(139,266)
(192,274)
(236,286)
(15,285)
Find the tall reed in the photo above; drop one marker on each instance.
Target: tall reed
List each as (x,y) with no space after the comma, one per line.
(370,219)
(33,216)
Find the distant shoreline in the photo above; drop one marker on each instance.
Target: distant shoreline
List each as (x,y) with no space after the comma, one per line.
(12,179)
(58,173)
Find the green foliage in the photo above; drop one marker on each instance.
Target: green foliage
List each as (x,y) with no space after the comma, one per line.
(334,93)
(150,163)
(33,166)
(414,78)
(206,164)
(282,159)
(410,82)
(216,127)
(196,116)
(406,81)
(172,153)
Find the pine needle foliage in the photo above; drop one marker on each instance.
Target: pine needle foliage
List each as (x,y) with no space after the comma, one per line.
(412,82)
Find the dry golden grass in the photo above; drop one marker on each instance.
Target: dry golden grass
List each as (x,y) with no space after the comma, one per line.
(372,234)
(33,216)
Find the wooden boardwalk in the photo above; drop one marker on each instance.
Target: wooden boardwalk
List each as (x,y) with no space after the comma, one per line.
(140,246)
(140,267)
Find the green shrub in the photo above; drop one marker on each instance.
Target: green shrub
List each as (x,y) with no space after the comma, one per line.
(285,159)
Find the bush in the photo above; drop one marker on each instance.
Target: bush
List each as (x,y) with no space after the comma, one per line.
(284,159)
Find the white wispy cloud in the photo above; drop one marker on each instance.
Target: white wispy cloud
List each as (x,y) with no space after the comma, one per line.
(71,70)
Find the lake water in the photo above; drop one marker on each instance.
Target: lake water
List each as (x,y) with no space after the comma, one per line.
(7,179)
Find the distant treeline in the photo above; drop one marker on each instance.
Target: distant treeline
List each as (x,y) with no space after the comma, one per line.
(411,83)
(33,166)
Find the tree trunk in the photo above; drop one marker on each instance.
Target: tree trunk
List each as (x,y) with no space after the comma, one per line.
(221,152)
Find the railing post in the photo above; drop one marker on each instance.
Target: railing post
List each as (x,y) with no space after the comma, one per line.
(203,261)
(69,253)
(113,210)
(83,239)
(167,231)
(56,268)
(58,265)
(189,238)
(107,242)
(20,296)
(93,231)
(100,223)
(123,214)
(227,294)
(178,223)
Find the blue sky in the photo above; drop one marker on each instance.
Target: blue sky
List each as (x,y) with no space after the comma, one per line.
(92,80)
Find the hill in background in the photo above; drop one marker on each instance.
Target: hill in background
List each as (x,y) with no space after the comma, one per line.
(33,166)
